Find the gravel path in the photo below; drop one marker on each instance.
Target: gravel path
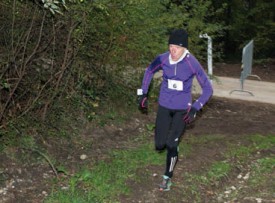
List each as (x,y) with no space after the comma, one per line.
(252,90)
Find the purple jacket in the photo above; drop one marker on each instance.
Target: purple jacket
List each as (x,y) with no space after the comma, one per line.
(176,86)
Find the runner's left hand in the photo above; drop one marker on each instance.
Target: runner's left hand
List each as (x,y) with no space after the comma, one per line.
(190,116)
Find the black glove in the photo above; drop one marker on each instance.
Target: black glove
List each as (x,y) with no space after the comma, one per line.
(190,116)
(143,102)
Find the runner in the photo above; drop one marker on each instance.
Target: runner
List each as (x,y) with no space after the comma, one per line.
(176,109)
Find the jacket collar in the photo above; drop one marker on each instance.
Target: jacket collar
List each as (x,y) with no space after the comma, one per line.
(180,59)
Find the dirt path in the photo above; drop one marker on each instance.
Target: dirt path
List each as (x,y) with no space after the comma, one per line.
(231,121)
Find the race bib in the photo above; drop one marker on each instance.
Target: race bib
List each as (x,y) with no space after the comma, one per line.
(175,85)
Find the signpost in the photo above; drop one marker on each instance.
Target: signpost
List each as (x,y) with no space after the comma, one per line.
(247,59)
(209,53)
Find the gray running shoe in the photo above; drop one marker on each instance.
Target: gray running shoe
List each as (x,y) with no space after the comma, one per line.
(165,184)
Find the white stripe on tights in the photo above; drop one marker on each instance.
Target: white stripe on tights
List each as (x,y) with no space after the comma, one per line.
(172,164)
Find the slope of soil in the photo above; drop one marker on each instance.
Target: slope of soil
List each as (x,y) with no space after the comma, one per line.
(30,179)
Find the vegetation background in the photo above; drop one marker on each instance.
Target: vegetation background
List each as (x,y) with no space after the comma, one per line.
(63,64)
(88,53)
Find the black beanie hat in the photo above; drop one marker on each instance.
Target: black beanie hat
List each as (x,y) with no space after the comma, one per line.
(179,37)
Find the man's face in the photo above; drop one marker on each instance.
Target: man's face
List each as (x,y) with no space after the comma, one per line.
(176,51)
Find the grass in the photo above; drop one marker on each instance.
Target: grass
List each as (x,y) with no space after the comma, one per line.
(204,139)
(210,177)
(263,142)
(219,174)
(218,170)
(107,179)
(262,178)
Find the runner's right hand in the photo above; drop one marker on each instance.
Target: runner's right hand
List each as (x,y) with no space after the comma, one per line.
(143,102)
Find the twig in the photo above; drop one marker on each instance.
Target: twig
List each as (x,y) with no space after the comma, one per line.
(46,157)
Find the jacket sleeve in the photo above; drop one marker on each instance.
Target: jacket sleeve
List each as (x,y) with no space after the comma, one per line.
(155,66)
(205,84)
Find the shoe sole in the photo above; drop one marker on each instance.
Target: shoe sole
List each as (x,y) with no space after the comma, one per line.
(164,190)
